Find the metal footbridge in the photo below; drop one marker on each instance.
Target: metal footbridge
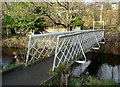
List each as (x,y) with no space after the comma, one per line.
(64,45)
(55,49)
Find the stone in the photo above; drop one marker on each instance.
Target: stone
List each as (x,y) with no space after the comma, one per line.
(115,74)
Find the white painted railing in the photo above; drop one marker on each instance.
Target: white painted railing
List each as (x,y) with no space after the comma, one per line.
(70,46)
(43,45)
(64,45)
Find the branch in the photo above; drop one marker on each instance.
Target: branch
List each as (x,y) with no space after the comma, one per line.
(57,23)
(62,5)
(7,8)
(51,4)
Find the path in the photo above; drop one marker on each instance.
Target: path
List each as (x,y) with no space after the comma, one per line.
(33,75)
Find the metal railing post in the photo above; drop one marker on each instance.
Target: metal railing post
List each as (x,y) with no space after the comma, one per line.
(27,58)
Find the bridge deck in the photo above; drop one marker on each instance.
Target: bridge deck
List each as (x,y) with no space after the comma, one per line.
(33,75)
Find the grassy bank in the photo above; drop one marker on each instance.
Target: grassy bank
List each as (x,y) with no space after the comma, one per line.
(84,80)
(89,80)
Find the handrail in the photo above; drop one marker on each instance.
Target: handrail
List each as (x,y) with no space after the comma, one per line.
(57,33)
(43,45)
(69,46)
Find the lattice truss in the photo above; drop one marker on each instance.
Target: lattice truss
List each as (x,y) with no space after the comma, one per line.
(72,45)
(42,46)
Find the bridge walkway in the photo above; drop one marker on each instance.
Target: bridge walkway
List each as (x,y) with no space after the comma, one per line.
(32,75)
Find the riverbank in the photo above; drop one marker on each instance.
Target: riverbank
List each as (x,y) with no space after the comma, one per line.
(17,41)
(84,80)
(111,46)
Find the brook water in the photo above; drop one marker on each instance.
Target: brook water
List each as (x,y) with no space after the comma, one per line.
(7,55)
(104,66)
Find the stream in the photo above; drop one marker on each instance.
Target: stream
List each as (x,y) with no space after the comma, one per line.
(7,55)
(104,66)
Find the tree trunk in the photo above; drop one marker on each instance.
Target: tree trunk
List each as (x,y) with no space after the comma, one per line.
(81,27)
(66,79)
(62,79)
(119,16)
(69,28)
(13,32)
(7,31)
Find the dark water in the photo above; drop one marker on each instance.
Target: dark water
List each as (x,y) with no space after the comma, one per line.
(104,66)
(7,55)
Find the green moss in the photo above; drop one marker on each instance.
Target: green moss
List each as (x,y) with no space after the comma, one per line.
(11,65)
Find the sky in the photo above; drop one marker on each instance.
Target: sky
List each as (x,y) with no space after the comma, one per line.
(88,0)
(61,0)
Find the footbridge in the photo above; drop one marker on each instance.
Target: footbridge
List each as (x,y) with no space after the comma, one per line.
(55,49)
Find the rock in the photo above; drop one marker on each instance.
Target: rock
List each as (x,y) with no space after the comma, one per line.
(105,72)
(119,74)
(115,74)
(80,69)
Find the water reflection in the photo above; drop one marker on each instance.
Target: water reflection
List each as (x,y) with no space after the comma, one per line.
(7,56)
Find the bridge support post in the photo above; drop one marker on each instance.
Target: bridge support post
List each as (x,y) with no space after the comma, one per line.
(28,51)
(62,79)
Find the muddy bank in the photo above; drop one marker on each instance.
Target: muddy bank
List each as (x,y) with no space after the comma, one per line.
(112,46)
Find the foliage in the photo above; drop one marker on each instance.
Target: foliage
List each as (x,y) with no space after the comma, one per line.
(8,19)
(89,80)
(52,82)
(59,69)
(77,21)
(40,25)
(39,10)
(84,80)
(22,16)
(25,14)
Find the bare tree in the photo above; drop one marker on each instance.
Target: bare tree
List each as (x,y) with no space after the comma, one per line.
(59,13)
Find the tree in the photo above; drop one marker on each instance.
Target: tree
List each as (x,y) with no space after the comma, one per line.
(78,22)
(25,17)
(119,15)
(39,25)
(8,21)
(61,13)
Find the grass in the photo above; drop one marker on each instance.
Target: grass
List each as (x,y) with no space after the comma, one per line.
(90,81)
(52,82)
(86,80)
(83,81)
